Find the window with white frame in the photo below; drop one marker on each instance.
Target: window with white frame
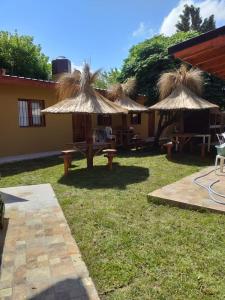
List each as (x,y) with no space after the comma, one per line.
(30,113)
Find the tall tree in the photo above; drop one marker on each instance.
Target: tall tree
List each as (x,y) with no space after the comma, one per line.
(208,24)
(21,57)
(190,19)
(184,23)
(149,59)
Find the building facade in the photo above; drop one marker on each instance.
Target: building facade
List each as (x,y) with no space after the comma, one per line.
(24,130)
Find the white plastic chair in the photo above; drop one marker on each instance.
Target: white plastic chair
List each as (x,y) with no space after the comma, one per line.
(221,138)
(219,159)
(109,135)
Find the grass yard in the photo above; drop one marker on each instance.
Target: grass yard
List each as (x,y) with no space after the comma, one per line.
(135,249)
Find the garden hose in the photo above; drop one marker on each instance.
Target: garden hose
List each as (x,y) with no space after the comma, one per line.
(209,188)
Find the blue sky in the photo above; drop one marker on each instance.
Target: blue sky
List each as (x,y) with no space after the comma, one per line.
(98,31)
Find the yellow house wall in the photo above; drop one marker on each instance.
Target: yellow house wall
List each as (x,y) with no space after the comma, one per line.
(140,129)
(15,140)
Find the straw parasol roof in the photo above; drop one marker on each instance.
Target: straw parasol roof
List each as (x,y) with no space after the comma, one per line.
(183,99)
(120,93)
(84,99)
(181,90)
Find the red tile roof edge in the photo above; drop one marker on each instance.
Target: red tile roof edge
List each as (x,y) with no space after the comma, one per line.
(27,81)
(34,82)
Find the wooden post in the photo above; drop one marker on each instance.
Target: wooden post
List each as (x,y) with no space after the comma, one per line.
(66,164)
(89,141)
(124,121)
(110,160)
(203,146)
(124,126)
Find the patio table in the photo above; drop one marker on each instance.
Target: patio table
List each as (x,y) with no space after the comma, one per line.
(137,141)
(184,138)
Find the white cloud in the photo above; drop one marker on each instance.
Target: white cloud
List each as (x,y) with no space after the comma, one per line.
(143,31)
(77,67)
(207,8)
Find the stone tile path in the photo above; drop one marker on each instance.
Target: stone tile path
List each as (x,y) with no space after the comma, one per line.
(186,193)
(40,258)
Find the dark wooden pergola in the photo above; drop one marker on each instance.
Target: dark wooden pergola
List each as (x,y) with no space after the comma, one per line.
(206,52)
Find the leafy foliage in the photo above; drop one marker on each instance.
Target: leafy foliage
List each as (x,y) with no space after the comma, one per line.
(20,56)
(214,90)
(147,60)
(106,79)
(190,19)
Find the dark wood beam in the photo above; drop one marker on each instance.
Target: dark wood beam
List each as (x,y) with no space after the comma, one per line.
(200,48)
(213,67)
(212,60)
(222,72)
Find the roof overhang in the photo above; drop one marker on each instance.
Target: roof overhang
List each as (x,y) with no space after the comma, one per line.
(23,81)
(206,51)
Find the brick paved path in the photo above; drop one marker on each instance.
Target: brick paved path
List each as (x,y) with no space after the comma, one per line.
(40,258)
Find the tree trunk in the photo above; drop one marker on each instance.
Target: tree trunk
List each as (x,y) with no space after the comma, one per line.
(162,126)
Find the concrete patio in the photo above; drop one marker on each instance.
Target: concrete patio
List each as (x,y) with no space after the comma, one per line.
(40,258)
(185,193)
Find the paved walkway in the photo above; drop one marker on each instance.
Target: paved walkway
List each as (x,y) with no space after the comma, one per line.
(40,258)
(186,193)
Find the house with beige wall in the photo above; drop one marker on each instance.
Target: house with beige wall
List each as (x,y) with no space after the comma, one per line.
(25,130)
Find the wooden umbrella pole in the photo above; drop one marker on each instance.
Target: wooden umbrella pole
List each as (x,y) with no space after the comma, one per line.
(124,121)
(124,125)
(89,141)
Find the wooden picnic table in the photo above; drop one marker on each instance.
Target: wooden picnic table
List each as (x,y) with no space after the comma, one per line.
(88,150)
(123,136)
(183,138)
(137,141)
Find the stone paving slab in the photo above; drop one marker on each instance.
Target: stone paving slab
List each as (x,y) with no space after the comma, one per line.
(186,193)
(40,258)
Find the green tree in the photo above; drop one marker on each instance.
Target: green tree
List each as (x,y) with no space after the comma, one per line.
(208,24)
(190,19)
(20,56)
(108,78)
(149,59)
(184,23)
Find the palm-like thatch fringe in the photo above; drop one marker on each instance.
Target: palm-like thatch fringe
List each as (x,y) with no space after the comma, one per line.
(191,79)
(68,85)
(83,98)
(181,90)
(130,87)
(118,92)
(183,99)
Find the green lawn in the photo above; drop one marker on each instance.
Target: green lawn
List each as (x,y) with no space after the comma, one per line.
(135,249)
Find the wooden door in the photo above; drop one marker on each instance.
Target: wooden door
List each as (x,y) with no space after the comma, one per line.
(78,128)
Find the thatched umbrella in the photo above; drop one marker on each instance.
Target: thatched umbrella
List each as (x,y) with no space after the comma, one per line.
(119,93)
(179,90)
(82,98)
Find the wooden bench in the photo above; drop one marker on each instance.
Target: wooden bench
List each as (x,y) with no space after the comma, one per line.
(110,154)
(67,159)
(169,147)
